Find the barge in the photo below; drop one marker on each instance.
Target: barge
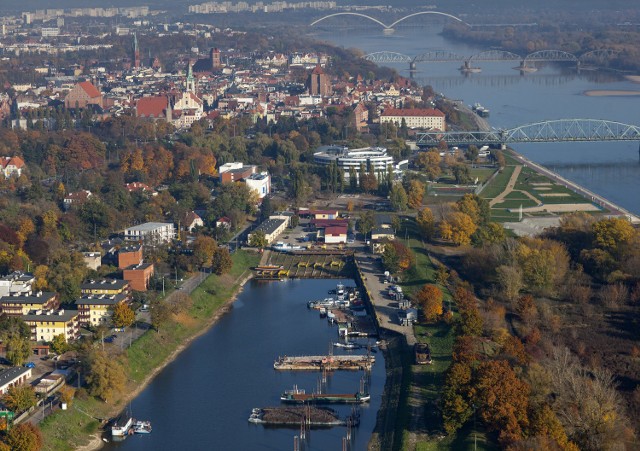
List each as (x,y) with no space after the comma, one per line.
(325,362)
(294,416)
(298,396)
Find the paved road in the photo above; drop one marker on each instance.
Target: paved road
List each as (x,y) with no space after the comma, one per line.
(385,307)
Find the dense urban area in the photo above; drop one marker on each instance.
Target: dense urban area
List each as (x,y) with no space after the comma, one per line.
(152,162)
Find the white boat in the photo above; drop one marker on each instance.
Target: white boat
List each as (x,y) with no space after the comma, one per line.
(142,427)
(347,345)
(323,312)
(121,427)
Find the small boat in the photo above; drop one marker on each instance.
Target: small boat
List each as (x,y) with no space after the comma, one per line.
(142,427)
(323,312)
(121,427)
(347,345)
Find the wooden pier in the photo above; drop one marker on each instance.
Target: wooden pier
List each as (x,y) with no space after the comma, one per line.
(325,362)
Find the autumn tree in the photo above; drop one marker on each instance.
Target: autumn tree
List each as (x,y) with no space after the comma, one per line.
(203,249)
(503,400)
(160,314)
(526,308)
(426,223)
(509,280)
(430,299)
(20,398)
(457,407)
(458,228)
(397,257)
(24,437)
(470,322)
(429,162)
(221,263)
(67,394)
(123,315)
(415,194)
(611,234)
(398,197)
(106,376)
(16,336)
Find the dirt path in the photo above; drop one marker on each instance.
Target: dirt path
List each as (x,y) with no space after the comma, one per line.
(509,188)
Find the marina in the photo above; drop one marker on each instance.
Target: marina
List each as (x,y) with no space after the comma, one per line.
(306,264)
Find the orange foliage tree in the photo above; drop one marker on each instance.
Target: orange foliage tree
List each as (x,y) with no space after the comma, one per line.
(430,299)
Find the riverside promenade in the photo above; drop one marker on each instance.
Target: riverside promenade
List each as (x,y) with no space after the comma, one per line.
(386,309)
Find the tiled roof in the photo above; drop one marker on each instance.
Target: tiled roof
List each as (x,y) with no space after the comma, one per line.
(91,90)
(152,106)
(408,112)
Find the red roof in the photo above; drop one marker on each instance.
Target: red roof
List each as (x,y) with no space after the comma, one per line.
(12,161)
(152,106)
(430,112)
(335,231)
(91,90)
(318,70)
(324,212)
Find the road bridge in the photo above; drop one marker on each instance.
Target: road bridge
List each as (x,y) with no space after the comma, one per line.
(560,130)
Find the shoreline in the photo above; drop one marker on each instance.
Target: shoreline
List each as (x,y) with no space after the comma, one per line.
(611,93)
(97,443)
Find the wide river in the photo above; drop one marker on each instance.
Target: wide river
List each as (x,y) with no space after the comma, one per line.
(203,399)
(611,169)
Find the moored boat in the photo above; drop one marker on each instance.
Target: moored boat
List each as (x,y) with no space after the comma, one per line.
(121,427)
(142,427)
(324,398)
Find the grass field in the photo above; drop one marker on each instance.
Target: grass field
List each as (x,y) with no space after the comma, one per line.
(498,184)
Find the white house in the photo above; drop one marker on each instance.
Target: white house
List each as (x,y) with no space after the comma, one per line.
(155,232)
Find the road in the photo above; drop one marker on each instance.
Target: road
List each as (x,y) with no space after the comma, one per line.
(385,307)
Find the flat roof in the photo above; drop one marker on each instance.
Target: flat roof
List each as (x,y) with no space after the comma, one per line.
(101,299)
(140,267)
(149,226)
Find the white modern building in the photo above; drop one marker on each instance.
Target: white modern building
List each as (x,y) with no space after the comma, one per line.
(154,232)
(374,159)
(260,183)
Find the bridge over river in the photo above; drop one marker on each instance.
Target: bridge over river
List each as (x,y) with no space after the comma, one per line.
(560,130)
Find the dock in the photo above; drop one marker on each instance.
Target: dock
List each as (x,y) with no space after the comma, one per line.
(325,362)
(309,264)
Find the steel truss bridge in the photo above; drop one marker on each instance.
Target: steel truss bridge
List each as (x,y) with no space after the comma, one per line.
(593,57)
(561,130)
(384,25)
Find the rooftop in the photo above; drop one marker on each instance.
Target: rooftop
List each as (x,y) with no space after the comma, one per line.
(104,284)
(270,225)
(150,226)
(57,316)
(10,374)
(102,299)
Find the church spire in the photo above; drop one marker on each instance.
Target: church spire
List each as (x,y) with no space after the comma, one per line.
(136,52)
(191,82)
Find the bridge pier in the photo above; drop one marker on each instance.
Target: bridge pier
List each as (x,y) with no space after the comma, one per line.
(412,69)
(387,31)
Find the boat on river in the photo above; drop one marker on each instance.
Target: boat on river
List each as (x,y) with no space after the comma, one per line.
(347,345)
(142,427)
(121,427)
(298,396)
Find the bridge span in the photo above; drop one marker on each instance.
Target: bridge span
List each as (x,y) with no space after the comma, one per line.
(560,130)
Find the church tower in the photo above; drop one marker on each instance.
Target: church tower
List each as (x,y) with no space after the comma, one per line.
(191,81)
(214,55)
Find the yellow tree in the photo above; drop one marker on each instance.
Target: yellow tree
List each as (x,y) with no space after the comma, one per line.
(611,233)
(137,161)
(25,228)
(415,194)
(106,376)
(123,315)
(426,222)
(40,274)
(49,224)
(458,228)
(430,299)
(24,437)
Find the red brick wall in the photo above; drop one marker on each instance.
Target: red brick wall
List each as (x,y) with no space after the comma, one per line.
(129,258)
(138,278)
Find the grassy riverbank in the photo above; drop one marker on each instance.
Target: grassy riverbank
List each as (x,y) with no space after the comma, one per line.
(71,429)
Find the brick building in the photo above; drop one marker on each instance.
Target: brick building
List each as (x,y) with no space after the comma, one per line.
(319,83)
(83,94)
(139,275)
(130,255)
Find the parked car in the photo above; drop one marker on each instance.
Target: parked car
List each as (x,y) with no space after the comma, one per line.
(29,365)
(110,338)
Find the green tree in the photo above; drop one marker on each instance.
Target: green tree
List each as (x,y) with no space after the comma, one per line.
(258,239)
(366,222)
(461,173)
(59,344)
(20,398)
(390,259)
(123,315)
(16,335)
(398,197)
(25,437)
(160,314)
(106,376)
(221,262)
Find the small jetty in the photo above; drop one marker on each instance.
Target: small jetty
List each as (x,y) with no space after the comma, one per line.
(325,362)
(293,416)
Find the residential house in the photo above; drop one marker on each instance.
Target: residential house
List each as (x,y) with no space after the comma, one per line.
(140,187)
(104,286)
(191,221)
(382,233)
(153,232)
(47,324)
(11,166)
(96,309)
(223,223)
(23,304)
(138,275)
(234,172)
(76,198)
(17,283)
(93,260)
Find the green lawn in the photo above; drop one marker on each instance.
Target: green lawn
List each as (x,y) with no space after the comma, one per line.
(498,184)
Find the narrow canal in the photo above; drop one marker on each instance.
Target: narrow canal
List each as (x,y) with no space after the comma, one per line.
(203,399)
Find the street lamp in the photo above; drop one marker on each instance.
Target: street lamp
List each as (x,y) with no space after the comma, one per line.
(79,373)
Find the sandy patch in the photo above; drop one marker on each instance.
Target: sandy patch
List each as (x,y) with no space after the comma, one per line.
(541,184)
(532,226)
(554,194)
(542,188)
(557,208)
(633,78)
(610,93)
(95,443)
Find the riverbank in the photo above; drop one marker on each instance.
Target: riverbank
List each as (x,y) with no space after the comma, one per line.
(148,356)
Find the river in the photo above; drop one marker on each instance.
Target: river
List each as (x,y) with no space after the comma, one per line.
(555,91)
(203,399)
